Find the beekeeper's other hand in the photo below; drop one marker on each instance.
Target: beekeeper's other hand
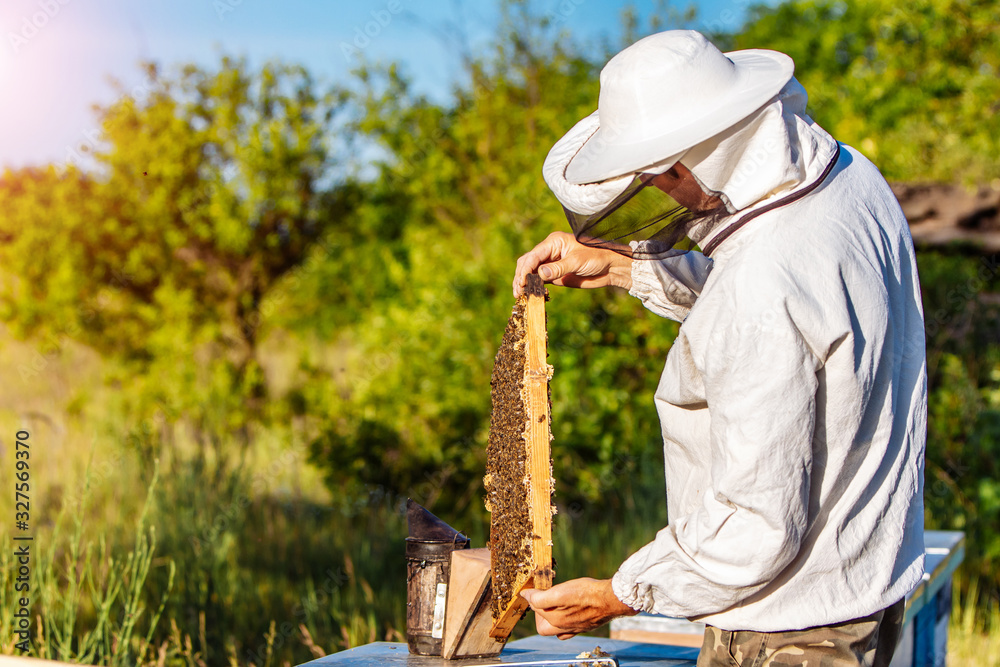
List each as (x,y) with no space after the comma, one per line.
(562,260)
(575,606)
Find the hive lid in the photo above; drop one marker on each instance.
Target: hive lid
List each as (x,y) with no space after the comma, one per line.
(425,527)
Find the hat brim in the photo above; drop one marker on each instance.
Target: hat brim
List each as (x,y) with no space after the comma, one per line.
(761,74)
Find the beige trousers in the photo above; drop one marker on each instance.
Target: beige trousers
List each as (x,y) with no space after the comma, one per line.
(863,642)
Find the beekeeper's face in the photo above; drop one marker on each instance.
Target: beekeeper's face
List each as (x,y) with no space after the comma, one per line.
(679,183)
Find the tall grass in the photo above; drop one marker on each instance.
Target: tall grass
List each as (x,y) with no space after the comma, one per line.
(91,604)
(209,575)
(283,580)
(974,632)
(259,563)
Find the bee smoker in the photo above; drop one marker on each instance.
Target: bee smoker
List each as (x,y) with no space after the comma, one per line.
(428,569)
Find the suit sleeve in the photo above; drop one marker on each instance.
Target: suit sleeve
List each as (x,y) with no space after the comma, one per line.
(670,285)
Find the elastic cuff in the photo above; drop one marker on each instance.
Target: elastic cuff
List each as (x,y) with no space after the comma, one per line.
(644,281)
(624,590)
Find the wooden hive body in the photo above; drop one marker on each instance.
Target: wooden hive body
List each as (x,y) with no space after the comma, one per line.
(518,480)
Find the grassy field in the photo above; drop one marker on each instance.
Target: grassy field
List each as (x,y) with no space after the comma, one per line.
(189,562)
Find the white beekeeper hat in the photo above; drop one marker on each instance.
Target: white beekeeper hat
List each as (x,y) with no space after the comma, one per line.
(665,94)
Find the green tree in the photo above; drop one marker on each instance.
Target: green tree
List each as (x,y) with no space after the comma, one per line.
(410,408)
(913,85)
(208,191)
(963,360)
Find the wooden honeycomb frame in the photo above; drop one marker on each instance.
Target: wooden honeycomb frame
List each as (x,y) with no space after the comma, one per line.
(518,480)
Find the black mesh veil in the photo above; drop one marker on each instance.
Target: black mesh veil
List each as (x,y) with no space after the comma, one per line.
(643,212)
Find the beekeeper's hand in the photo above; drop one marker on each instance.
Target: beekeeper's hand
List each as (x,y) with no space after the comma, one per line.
(562,260)
(575,606)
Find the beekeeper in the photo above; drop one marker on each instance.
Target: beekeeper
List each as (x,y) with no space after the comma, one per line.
(793,401)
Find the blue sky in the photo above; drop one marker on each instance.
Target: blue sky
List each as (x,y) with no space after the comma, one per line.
(58,56)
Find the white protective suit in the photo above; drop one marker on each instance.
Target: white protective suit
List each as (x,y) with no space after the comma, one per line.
(793,401)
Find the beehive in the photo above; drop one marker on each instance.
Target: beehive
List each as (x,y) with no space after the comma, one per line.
(518,480)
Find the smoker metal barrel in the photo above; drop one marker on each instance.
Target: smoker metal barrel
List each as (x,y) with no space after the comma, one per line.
(428,569)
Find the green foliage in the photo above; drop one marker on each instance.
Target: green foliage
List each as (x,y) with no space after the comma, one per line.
(237,572)
(410,410)
(209,191)
(91,598)
(913,85)
(215,227)
(266,573)
(962,491)
(970,641)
